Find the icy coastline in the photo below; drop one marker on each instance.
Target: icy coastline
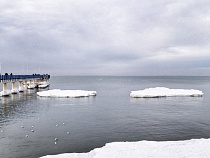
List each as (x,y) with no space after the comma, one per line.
(165,92)
(66,93)
(193,148)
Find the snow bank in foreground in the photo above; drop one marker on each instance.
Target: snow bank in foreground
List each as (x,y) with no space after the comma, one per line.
(164,92)
(147,149)
(66,93)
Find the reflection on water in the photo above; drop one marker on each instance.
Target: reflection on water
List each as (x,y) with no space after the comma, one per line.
(47,117)
(15,105)
(69,101)
(177,100)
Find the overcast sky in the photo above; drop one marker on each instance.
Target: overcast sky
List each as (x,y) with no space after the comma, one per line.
(105,37)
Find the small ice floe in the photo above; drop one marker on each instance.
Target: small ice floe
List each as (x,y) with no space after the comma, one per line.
(21,89)
(44,84)
(14,91)
(66,93)
(32,85)
(22,126)
(32,130)
(56,125)
(63,123)
(67,132)
(165,92)
(26,135)
(56,139)
(5,93)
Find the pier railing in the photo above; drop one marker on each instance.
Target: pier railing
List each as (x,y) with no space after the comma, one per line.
(7,78)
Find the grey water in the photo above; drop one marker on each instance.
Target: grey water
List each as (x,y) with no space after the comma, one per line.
(29,124)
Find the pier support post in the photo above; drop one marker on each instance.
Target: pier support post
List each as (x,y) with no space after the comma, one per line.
(14,90)
(5,92)
(13,85)
(25,85)
(21,86)
(4,86)
(32,84)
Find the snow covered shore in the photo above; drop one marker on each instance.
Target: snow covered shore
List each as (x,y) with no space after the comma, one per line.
(66,93)
(195,148)
(165,92)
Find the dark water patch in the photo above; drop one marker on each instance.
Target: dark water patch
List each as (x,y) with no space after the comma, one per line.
(81,124)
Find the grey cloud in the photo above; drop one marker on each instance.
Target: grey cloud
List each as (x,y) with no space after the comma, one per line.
(104,37)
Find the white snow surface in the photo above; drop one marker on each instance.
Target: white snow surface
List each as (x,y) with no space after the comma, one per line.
(31,86)
(195,148)
(165,92)
(21,89)
(5,93)
(66,93)
(14,91)
(44,84)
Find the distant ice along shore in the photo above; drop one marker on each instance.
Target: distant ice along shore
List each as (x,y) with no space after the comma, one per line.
(165,92)
(66,93)
(146,149)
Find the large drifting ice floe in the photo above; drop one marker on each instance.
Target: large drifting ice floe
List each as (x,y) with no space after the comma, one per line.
(66,93)
(195,148)
(165,92)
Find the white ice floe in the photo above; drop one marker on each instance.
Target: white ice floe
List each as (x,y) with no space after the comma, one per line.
(5,93)
(195,148)
(21,89)
(44,84)
(165,92)
(14,91)
(66,93)
(32,85)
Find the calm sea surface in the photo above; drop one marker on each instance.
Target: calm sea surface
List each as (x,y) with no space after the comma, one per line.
(82,124)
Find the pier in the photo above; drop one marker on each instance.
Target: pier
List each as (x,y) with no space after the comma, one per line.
(24,82)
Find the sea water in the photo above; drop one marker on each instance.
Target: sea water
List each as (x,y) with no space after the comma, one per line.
(31,126)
